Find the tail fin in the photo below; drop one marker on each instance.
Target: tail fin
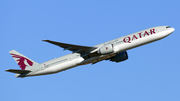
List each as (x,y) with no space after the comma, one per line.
(22,60)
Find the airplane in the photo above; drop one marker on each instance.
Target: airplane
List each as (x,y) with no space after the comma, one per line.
(114,50)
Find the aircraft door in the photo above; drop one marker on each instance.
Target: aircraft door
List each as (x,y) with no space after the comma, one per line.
(70,58)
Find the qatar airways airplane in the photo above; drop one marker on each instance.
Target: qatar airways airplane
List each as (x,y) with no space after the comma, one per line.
(114,50)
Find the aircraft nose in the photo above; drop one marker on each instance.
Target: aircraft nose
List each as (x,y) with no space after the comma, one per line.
(170,30)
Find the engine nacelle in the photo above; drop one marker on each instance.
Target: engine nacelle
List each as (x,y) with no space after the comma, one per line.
(106,49)
(120,57)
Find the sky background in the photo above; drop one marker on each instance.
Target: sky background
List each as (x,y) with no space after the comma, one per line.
(152,72)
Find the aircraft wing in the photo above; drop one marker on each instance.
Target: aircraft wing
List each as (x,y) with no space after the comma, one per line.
(71,47)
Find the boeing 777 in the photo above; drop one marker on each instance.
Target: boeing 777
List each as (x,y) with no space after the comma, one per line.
(114,50)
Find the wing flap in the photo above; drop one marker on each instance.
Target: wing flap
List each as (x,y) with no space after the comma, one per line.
(71,47)
(18,71)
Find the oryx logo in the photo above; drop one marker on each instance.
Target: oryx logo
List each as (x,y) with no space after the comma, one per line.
(22,61)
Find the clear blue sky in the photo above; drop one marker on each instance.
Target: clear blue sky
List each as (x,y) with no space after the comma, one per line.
(152,72)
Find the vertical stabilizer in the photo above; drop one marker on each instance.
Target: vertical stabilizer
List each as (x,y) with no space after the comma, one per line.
(22,60)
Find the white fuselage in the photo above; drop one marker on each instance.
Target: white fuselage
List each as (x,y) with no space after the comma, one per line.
(120,45)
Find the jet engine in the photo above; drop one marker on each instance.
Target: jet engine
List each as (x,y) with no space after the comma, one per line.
(120,57)
(107,49)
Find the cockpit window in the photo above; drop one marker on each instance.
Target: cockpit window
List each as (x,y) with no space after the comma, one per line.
(168,27)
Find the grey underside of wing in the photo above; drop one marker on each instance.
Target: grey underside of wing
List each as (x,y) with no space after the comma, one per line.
(71,47)
(18,71)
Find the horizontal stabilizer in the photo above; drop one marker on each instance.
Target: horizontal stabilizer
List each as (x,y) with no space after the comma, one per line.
(18,71)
